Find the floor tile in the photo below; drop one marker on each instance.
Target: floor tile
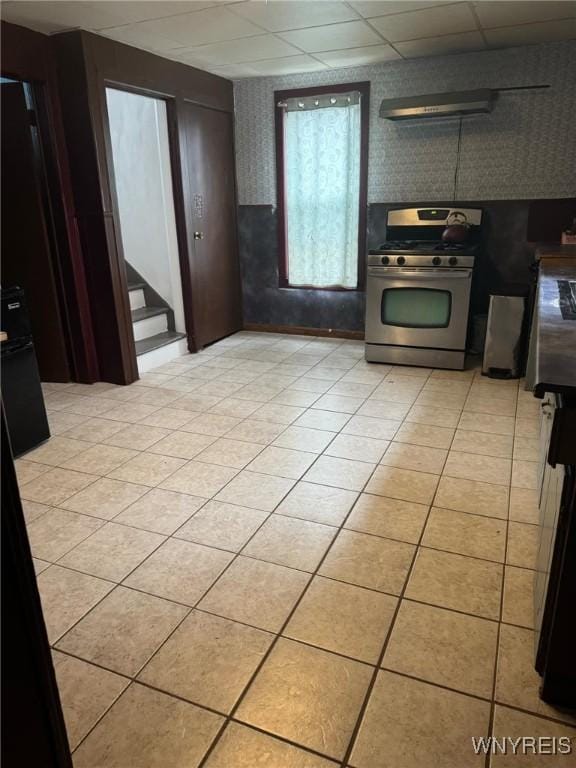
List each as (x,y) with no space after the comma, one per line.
(32,510)
(282,462)
(453,401)
(381,409)
(444,647)
(160,511)
(433,417)
(368,561)
(518,604)
(256,593)
(304,439)
(509,723)
(58,531)
(129,412)
(472,496)
(465,534)
(179,570)
(112,552)
(424,434)
(40,565)
(57,451)
(287,541)
(66,596)
(369,426)
(86,692)
(279,414)
(198,403)
(319,503)
(251,489)
(26,471)
(416,457)
(253,431)
(169,418)
(148,729)
(483,443)
(343,618)
(403,484)
(402,722)
(226,526)
(357,447)
(339,403)
(341,473)
(60,422)
(525,474)
(105,498)
(308,696)
(472,466)
(482,422)
(230,453)
(55,485)
(494,406)
(147,469)
(123,631)
(320,419)
(183,445)
(208,660)
(244,747)
(210,424)
(100,459)
(138,436)
(352,389)
(527,448)
(157,396)
(199,479)
(523,541)
(457,582)
(527,428)
(391,518)
(517,682)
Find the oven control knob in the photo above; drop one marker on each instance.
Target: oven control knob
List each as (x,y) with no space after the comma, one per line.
(400,260)
(436,261)
(385,260)
(452,261)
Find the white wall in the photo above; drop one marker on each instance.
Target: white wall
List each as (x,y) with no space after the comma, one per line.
(141,154)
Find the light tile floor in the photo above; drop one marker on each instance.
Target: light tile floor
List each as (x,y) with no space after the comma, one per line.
(273,553)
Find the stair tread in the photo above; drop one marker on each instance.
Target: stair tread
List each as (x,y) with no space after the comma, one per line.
(143,312)
(136,286)
(160,340)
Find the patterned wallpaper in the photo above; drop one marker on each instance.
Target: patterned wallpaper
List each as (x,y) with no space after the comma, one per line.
(525,149)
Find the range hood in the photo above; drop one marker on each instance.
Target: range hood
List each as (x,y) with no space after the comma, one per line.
(457,103)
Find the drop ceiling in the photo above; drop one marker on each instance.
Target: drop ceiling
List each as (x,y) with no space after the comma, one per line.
(255,38)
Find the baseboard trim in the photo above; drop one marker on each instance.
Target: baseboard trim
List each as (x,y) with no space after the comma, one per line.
(299,330)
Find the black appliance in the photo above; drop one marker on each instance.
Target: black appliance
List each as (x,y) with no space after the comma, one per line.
(21,388)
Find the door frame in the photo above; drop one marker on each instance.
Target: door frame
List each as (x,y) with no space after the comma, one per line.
(178,196)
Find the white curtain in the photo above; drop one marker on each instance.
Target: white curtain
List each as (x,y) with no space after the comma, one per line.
(322,187)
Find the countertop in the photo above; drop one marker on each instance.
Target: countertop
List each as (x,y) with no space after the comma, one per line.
(556,340)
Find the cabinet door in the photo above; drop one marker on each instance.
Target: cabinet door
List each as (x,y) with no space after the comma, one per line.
(211,220)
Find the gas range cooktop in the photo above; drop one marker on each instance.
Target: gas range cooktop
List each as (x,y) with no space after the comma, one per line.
(420,247)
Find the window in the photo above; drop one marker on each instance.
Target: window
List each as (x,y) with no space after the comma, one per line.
(322,140)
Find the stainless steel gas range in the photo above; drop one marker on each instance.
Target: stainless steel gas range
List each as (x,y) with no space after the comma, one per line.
(418,287)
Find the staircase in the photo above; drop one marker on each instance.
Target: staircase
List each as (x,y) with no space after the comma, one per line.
(155,339)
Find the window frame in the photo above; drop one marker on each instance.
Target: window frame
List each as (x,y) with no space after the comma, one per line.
(364,89)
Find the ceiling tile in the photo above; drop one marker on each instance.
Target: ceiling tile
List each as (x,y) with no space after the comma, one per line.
(131,11)
(437,46)
(357,57)
(504,14)
(239,51)
(283,15)
(233,71)
(57,16)
(202,27)
(371,8)
(289,66)
(545,32)
(430,22)
(133,34)
(352,34)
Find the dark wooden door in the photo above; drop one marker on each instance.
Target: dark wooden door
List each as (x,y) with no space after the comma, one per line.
(210,199)
(26,255)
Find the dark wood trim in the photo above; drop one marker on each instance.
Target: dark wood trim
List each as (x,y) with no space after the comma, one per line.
(301,330)
(27,56)
(364,89)
(33,730)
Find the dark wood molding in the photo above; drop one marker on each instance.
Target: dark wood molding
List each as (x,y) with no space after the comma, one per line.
(304,331)
(28,56)
(364,89)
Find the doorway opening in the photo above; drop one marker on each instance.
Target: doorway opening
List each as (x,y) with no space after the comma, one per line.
(144,193)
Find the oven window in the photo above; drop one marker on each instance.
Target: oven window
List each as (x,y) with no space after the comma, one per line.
(416,307)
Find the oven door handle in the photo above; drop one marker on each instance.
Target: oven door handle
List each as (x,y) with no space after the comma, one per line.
(419,274)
